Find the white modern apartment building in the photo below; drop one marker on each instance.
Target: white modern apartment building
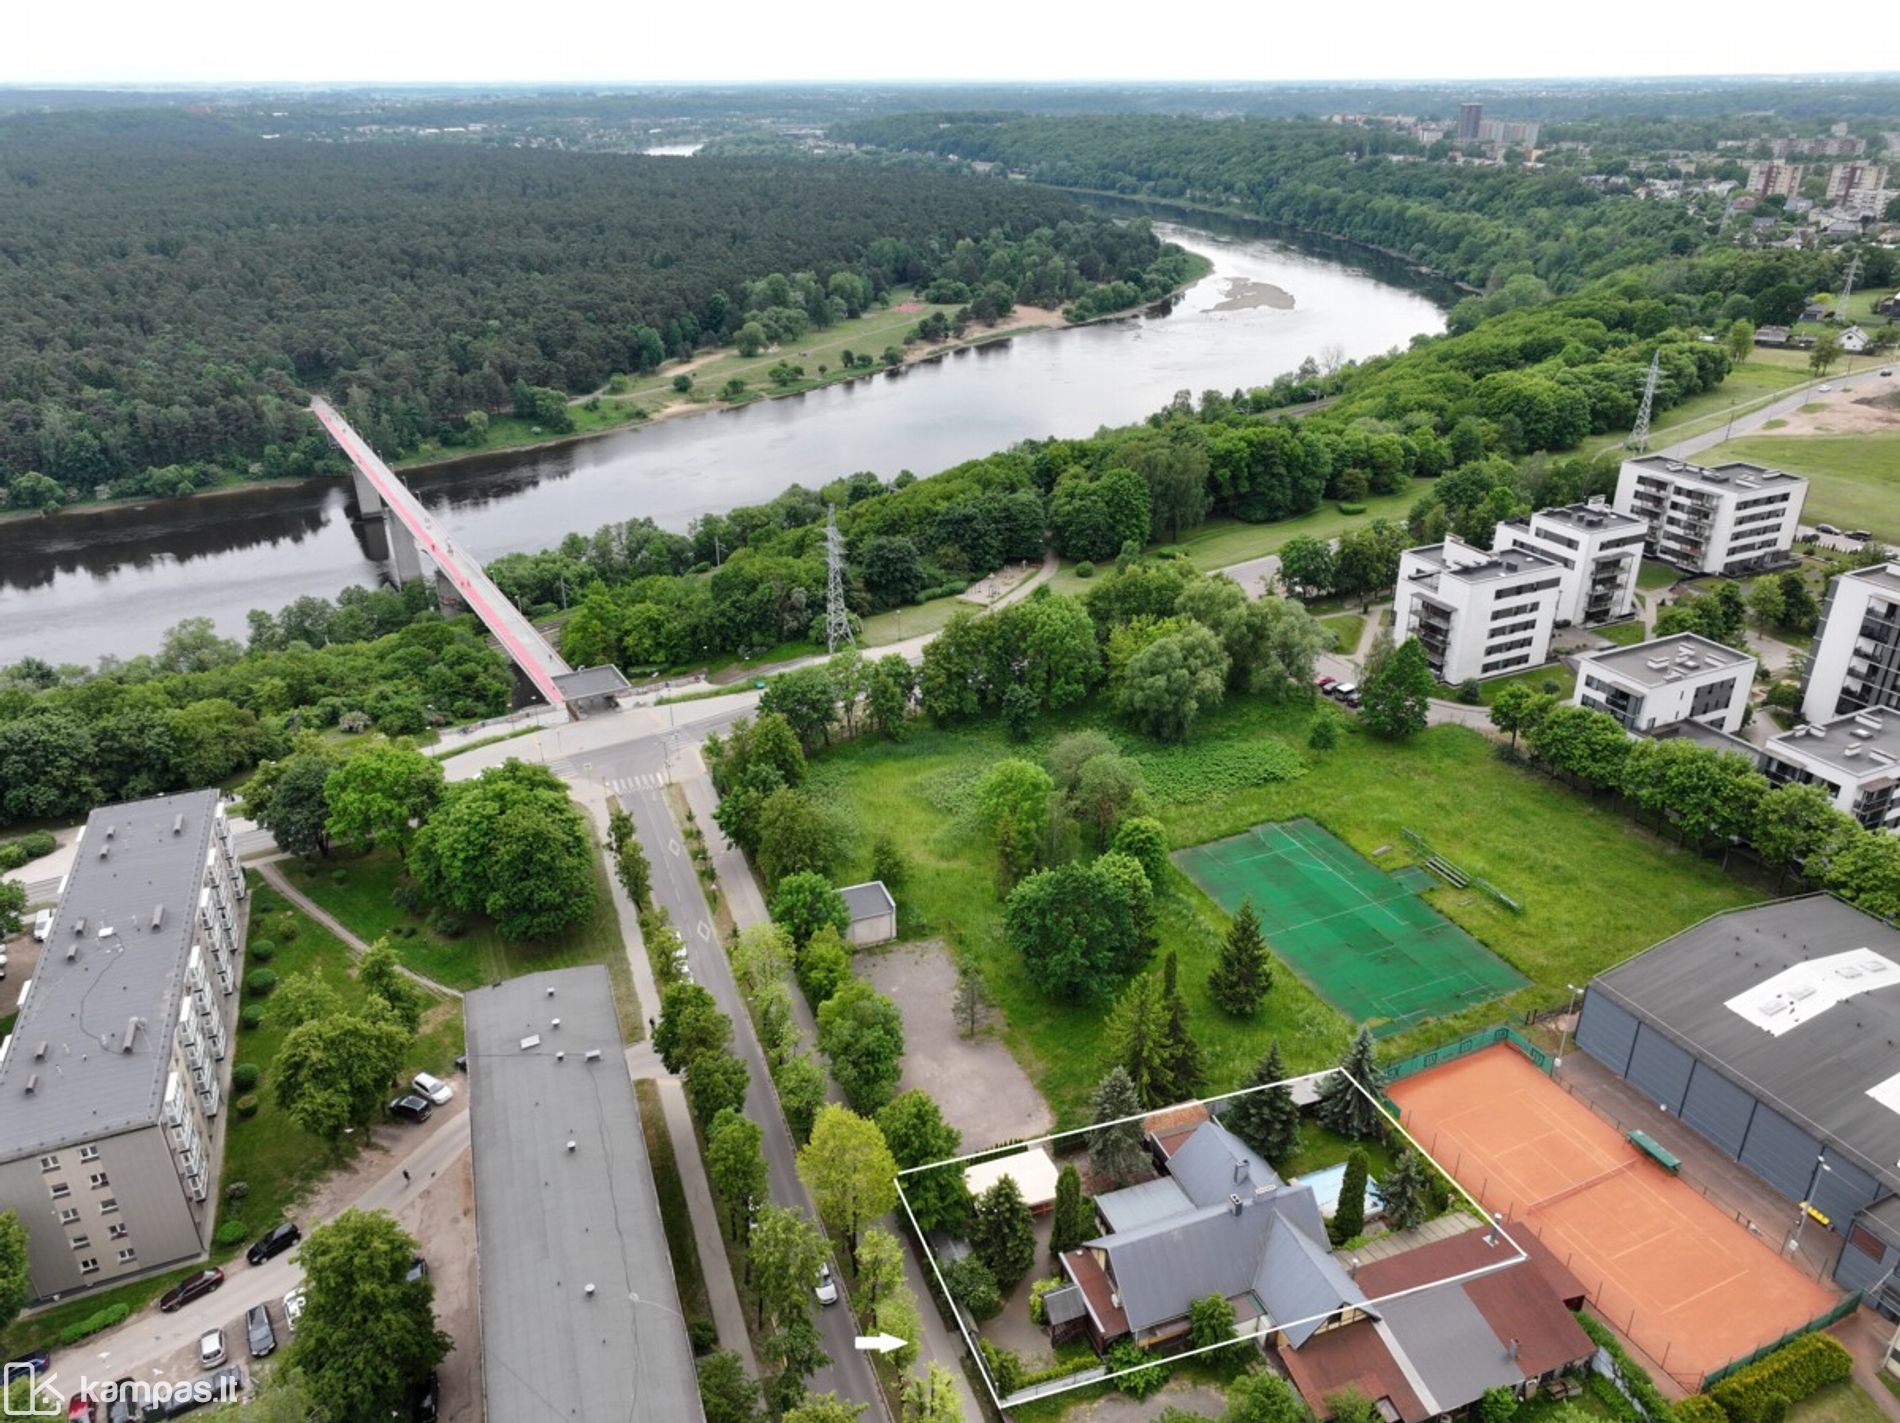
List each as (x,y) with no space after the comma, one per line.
(1855,663)
(1666,682)
(1599,548)
(1855,758)
(1477,614)
(112,1079)
(1730,520)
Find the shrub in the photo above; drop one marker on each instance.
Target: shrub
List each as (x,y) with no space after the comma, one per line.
(95,1323)
(288,928)
(1700,1408)
(230,1232)
(1085,569)
(703,1334)
(246,1106)
(1468,692)
(339,875)
(237,1190)
(252,1017)
(244,1076)
(1635,1378)
(1346,507)
(1791,1373)
(406,897)
(973,1286)
(1036,1292)
(448,925)
(1143,1378)
(258,983)
(37,843)
(261,950)
(1006,1370)
(12,855)
(683,383)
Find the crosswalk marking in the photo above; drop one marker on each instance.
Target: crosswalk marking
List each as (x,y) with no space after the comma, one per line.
(647,781)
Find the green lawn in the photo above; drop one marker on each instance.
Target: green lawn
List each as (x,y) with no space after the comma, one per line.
(1747,385)
(1535,678)
(1221,541)
(881,629)
(1347,629)
(362,900)
(1596,887)
(675,1219)
(1856,478)
(1654,575)
(1625,634)
(1845,1402)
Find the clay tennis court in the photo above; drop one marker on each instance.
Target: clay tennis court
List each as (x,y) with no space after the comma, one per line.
(1680,1276)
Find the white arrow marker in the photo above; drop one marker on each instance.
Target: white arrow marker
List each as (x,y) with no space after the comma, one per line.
(878,1343)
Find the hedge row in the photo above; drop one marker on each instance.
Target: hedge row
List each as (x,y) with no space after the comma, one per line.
(1635,1377)
(94,1323)
(1700,1408)
(1790,1374)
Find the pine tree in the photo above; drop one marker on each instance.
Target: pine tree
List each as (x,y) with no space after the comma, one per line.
(1181,1052)
(1267,1120)
(1349,1215)
(1003,1235)
(1243,975)
(1117,1151)
(1073,1219)
(1342,1106)
(1137,1031)
(1406,1193)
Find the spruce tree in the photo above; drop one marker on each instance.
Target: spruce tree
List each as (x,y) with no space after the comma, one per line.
(1406,1194)
(1184,1071)
(1342,1106)
(1003,1234)
(1349,1215)
(1073,1220)
(1267,1120)
(1243,975)
(1117,1152)
(1137,1033)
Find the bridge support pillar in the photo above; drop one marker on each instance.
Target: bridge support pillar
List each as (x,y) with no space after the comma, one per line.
(369,503)
(405,563)
(448,596)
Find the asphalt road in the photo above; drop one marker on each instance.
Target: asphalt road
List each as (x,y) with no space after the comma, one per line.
(676,888)
(1788,404)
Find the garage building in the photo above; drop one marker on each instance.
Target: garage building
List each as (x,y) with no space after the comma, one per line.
(1774,1032)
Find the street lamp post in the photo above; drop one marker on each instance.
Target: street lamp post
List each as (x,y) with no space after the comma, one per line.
(1563,1038)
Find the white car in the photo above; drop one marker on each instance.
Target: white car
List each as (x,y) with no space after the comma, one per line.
(42,925)
(827,1288)
(1825,389)
(211,1349)
(293,1306)
(434,1088)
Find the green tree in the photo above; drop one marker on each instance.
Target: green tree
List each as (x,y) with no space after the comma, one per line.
(1106,789)
(824,966)
(931,1398)
(301,998)
(887,698)
(880,1265)
(1267,1118)
(1264,1397)
(1210,1322)
(1012,800)
(12,908)
(382,795)
(14,1284)
(917,1134)
(635,874)
(828,1407)
(798,834)
(1346,1109)
(296,807)
(1399,698)
(808,700)
(1137,1033)
(33,490)
(726,1393)
(849,1171)
(800,1084)
(1406,1192)
(1076,928)
(1825,351)
(1306,566)
(861,1032)
(1003,1233)
(381,975)
(367,1333)
(330,1074)
(1170,682)
(1244,973)
(1518,708)
(1499,1404)
(1797,827)
(1185,1069)
(735,1164)
(1349,1215)
(1741,344)
(716,1081)
(805,901)
(1866,871)
(1116,1148)
(1143,839)
(890,863)
(785,1253)
(895,1313)
(967,1002)
(1072,1221)
(690,1023)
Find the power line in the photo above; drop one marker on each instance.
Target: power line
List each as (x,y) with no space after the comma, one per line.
(837,615)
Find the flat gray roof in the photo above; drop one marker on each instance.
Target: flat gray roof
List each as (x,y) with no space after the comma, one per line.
(1873,736)
(1686,654)
(88,1087)
(603,681)
(1712,737)
(1885,576)
(867,900)
(550,1222)
(1591,518)
(1509,563)
(1737,475)
(1818,1073)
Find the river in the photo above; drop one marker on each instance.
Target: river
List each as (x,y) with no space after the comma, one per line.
(79,586)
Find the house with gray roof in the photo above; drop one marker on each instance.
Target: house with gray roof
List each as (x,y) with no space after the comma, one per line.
(873,914)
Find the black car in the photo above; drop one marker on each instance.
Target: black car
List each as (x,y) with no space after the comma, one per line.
(258,1332)
(412,1108)
(274,1241)
(425,1404)
(190,1288)
(124,1408)
(226,1385)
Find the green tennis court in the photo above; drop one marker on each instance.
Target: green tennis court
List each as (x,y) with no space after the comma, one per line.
(1363,938)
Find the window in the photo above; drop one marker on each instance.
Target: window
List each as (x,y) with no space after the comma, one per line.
(88,1153)
(89,1266)
(80,1242)
(99,1181)
(120,1231)
(1865,1241)
(69,1215)
(128,1255)
(49,1163)
(109,1205)
(61,1190)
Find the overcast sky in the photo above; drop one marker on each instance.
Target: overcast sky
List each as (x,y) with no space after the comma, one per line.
(645,41)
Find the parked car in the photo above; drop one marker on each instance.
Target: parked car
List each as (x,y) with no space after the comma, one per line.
(418,1269)
(190,1288)
(1342,690)
(225,1384)
(81,1408)
(42,925)
(258,1332)
(1825,389)
(412,1108)
(124,1408)
(1323,683)
(428,1085)
(211,1348)
(25,1364)
(274,1241)
(293,1306)
(1827,529)
(1886,371)
(1859,536)
(827,1288)
(425,1403)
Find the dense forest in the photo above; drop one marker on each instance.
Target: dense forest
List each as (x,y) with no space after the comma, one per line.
(171,289)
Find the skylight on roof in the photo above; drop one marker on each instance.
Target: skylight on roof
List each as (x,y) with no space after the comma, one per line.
(1802,993)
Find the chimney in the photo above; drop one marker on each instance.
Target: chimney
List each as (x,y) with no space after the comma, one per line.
(1510,1350)
(1235,1204)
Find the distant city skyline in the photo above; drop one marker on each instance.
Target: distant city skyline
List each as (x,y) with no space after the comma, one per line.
(123,44)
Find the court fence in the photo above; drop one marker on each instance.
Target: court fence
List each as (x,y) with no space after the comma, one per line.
(1814,1325)
(1464,1047)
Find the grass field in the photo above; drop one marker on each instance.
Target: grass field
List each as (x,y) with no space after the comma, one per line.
(1626,634)
(1748,384)
(1845,1402)
(1535,679)
(1347,629)
(361,900)
(695,1303)
(1855,478)
(1595,886)
(1654,575)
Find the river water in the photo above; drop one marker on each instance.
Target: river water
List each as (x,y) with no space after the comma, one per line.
(78,586)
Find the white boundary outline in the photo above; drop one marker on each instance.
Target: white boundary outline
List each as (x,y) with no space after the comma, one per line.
(1057,1386)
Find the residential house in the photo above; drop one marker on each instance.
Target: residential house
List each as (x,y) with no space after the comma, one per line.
(1478,614)
(1730,520)
(1667,681)
(1599,548)
(1854,758)
(1771,335)
(1854,341)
